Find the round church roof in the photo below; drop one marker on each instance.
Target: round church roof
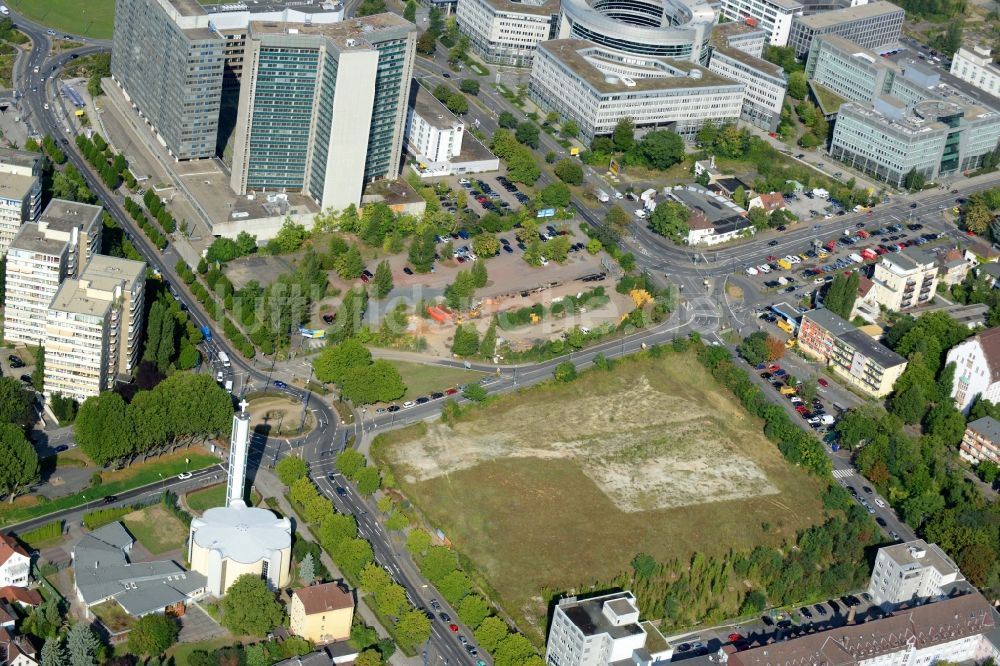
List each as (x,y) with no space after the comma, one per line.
(241,533)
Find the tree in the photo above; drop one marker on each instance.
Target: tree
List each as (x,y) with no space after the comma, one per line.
(442,92)
(152,634)
(466,342)
(20,467)
(249,607)
(417,541)
(410,11)
(370,7)
(754,348)
(469,86)
(565,372)
(478,274)
(644,565)
(290,469)
(472,610)
(514,650)
(977,216)
(53,653)
(527,133)
(82,645)
(369,480)
(623,135)
(485,245)
(390,599)
(487,347)
(369,658)
(475,393)
(661,149)
(507,120)
(569,171)
(670,219)
(570,129)
(556,195)
(383,279)
(457,104)
(422,251)
(378,382)
(914,180)
(38,374)
(307,569)
(334,364)
(413,628)
(797,88)
(349,264)
(842,293)
(910,404)
(491,632)
(350,461)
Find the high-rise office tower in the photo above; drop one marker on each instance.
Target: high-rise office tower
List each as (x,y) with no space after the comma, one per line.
(322,108)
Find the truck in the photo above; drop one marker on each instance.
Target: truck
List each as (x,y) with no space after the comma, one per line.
(602,196)
(206,333)
(785,326)
(868,253)
(830,245)
(784,263)
(649,198)
(788,390)
(224,357)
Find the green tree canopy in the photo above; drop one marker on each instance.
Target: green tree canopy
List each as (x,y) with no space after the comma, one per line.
(334,363)
(670,219)
(250,608)
(661,149)
(152,634)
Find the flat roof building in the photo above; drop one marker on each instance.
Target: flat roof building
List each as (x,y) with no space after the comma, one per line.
(850,353)
(597,86)
(976,66)
(914,572)
(869,25)
(20,192)
(773,16)
(340,93)
(736,55)
(505,32)
(437,141)
(603,630)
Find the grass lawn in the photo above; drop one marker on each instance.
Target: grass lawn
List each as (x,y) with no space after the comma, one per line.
(182,651)
(156,528)
(94,18)
(27,507)
(422,379)
(562,485)
(206,498)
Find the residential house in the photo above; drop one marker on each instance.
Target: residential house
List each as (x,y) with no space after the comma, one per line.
(852,355)
(17,650)
(953,266)
(770,202)
(977,369)
(21,596)
(321,613)
(981,441)
(15,563)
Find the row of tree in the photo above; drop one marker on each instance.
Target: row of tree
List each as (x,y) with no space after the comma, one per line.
(215,310)
(361,380)
(153,233)
(657,149)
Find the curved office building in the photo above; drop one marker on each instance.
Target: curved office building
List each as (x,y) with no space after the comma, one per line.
(665,28)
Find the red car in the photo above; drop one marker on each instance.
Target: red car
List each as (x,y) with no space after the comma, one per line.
(734,637)
(451,391)
(481,199)
(822,382)
(801,409)
(453,627)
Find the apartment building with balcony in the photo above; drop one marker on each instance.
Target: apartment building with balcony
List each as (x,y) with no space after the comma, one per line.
(910,573)
(900,281)
(94,327)
(20,192)
(851,354)
(981,441)
(977,369)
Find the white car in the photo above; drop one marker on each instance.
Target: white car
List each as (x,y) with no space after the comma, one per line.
(641,213)
(880,502)
(792,259)
(764,268)
(184,475)
(545,262)
(408,404)
(752,271)
(856,258)
(46,106)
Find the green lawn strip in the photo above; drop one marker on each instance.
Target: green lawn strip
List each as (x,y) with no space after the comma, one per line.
(422,379)
(206,498)
(94,18)
(182,651)
(149,473)
(152,530)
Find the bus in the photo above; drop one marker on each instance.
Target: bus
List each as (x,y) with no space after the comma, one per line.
(224,357)
(206,333)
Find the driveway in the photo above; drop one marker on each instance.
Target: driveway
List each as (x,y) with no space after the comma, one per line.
(197,625)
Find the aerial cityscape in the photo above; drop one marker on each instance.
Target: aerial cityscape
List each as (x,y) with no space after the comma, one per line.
(500,332)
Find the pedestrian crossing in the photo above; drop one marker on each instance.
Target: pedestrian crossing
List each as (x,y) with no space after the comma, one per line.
(843,473)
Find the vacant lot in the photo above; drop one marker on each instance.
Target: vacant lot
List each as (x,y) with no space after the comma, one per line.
(156,528)
(421,379)
(93,18)
(563,484)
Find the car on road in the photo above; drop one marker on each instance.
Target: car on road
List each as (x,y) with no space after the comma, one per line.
(451,391)
(408,404)
(879,502)
(111,499)
(880,521)
(471,649)
(453,627)
(462,639)
(437,395)
(422,399)
(772,243)
(392,408)
(407,270)
(822,382)
(50,33)
(183,476)
(280,384)
(61,448)
(341,490)
(894,536)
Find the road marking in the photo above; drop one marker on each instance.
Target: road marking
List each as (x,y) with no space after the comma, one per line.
(843,473)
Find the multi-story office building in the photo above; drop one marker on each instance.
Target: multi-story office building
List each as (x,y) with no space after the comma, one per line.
(20,192)
(597,86)
(977,67)
(870,26)
(40,257)
(603,630)
(910,573)
(323,107)
(434,134)
(506,32)
(892,138)
(736,51)
(93,328)
(981,441)
(199,49)
(849,353)
(774,16)
(855,73)
(977,369)
(958,630)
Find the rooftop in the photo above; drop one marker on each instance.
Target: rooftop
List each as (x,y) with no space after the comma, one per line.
(9,546)
(428,107)
(835,17)
(63,215)
(829,321)
(921,553)
(715,208)
(910,259)
(30,238)
(75,297)
(988,427)
(588,615)
(873,349)
(989,340)
(751,61)
(102,570)
(202,7)
(15,186)
(324,597)
(104,267)
(21,158)
(672,74)
(355,33)
(538,7)
(912,629)
(241,533)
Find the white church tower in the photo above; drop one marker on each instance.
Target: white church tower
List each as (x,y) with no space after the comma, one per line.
(239,450)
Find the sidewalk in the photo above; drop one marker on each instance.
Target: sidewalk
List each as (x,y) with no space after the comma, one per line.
(269,486)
